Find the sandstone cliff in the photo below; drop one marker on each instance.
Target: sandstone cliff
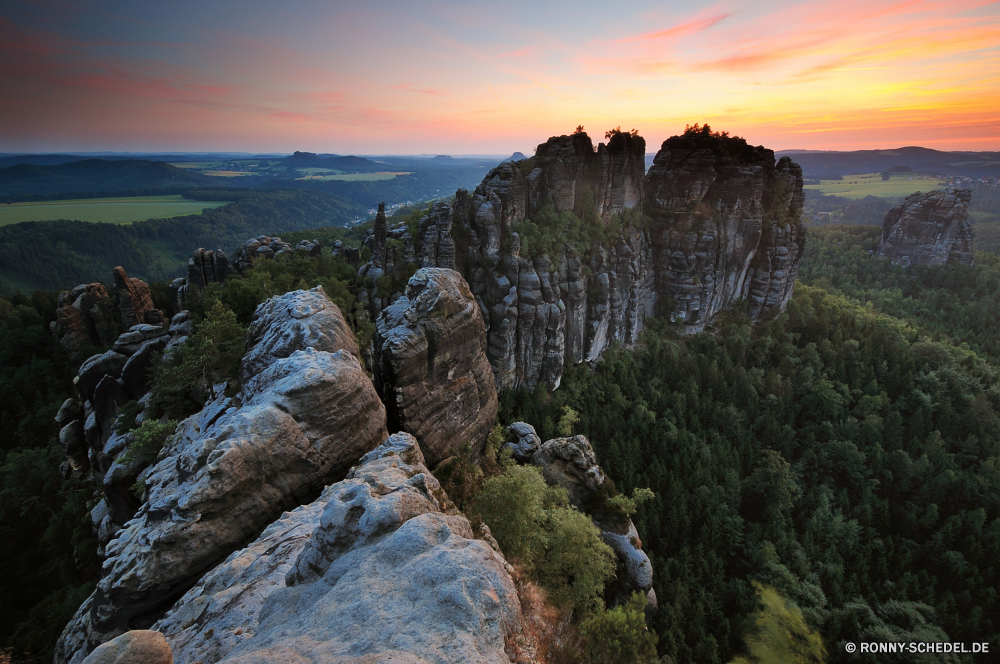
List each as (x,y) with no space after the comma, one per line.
(303,417)
(929,229)
(724,233)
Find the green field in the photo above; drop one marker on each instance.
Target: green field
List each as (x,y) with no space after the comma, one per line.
(871,184)
(354,177)
(110,210)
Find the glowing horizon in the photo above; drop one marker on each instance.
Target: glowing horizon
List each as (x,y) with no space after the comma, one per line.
(465,78)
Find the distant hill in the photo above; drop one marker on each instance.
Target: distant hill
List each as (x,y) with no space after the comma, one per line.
(517,156)
(921,160)
(38,159)
(349,164)
(97,175)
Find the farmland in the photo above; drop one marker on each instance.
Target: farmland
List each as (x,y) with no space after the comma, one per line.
(109,210)
(350,177)
(871,184)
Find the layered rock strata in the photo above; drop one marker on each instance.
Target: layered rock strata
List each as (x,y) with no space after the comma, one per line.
(725,229)
(204,268)
(929,229)
(368,572)
(571,464)
(303,417)
(430,365)
(725,234)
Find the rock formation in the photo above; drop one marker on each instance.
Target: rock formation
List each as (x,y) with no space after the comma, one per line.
(725,233)
(929,229)
(431,367)
(725,229)
(367,572)
(204,268)
(392,260)
(303,417)
(134,299)
(571,464)
(85,316)
(140,646)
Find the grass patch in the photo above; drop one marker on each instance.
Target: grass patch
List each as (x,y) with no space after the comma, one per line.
(109,210)
(872,184)
(354,177)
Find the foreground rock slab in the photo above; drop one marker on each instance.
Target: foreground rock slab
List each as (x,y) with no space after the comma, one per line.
(232,469)
(137,647)
(380,568)
(431,367)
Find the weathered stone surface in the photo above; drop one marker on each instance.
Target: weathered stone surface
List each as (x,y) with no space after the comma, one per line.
(262,247)
(204,268)
(295,321)
(85,315)
(929,229)
(710,214)
(724,235)
(525,441)
(379,569)
(96,368)
(571,464)
(431,367)
(134,298)
(136,647)
(231,469)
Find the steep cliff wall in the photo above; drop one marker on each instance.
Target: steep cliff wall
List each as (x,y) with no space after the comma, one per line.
(723,232)
(929,228)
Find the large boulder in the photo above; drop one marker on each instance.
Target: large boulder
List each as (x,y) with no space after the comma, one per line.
(929,229)
(291,322)
(380,568)
(431,367)
(230,470)
(572,464)
(140,646)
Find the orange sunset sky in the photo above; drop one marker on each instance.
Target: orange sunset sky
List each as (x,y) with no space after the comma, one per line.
(488,77)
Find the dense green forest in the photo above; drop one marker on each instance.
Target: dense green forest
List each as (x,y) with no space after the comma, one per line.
(836,454)
(61,254)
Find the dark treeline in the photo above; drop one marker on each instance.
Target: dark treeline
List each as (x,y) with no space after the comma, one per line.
(61,254)
(835,455)
(839,210)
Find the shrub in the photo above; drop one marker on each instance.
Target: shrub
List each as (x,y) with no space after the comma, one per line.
(148,441)
(620,635)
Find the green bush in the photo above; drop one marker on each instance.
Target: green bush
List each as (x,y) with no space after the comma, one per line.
(537,528)
(147,442)
(212,354)
(619,635)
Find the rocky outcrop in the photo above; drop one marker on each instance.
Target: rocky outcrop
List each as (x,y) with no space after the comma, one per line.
(367,572)
(725,234)
(136,647)
(299,423)
(85,316)
(571,464)
(204,268)
(134,300)
(725,228)
(431,367)
(525,441)
(929,229)
(392,260)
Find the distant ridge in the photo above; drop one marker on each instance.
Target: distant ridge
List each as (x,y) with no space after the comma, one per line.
(98,175)
(922,160)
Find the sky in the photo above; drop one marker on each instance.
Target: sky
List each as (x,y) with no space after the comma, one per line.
(488,77)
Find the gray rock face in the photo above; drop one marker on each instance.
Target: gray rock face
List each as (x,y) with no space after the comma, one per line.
(299,423)
(723,231)
(295,321)
(525,443)
(431,367)
(367,573)
(929,229)
(262,247)
(204,268)
(134,298)
(724,235)
(571,464)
